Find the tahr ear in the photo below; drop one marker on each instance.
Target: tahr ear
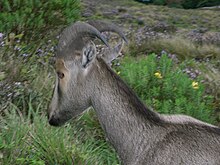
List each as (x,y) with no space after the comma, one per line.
(111,54)
(88,54)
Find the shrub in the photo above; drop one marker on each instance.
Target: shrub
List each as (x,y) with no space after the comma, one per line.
(28,16)
(187,4)
(144,1)
(199,3)
(159,2)
(165,87)
(174,3)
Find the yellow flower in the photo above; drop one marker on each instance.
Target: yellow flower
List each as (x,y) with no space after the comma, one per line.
(118,72)
(158,75)
(195,85)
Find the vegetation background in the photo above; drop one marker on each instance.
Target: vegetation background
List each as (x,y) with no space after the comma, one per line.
(172,62)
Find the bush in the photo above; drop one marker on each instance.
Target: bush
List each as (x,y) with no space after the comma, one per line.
(159,2)
(174,3)
(187,4)
(166,88)
(144,1)
(28,16)
(190,4)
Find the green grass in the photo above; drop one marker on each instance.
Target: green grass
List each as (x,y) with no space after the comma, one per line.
(34,142)
(28,139)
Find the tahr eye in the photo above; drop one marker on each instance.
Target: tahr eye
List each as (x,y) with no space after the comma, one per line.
(60,75)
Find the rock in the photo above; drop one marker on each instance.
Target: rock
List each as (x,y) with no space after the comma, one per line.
(150,33)
(202,36)
(111,13)
(122,9)
(200,30)
(126,16)
(87,14)
(164,27)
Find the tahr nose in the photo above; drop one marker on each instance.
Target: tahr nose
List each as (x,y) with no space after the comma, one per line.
(53,121)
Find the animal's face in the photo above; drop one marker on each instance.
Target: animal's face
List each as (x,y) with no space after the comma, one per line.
(75,63)
(71,92)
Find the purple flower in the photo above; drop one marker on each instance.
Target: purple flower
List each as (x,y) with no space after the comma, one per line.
(25,55)
(1,35)
(163,52)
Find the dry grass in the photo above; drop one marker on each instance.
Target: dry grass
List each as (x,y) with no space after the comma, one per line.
(183,48)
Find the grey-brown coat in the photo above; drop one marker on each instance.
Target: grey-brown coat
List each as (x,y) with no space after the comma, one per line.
(139,135)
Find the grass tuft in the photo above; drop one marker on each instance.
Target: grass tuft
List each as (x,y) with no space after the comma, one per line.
(28,139)
(183,48)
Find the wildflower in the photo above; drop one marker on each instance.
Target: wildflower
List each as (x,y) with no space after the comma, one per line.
(163,52)
(158,75)
(195,85)
(25,55)
(1,35)
(118,73)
